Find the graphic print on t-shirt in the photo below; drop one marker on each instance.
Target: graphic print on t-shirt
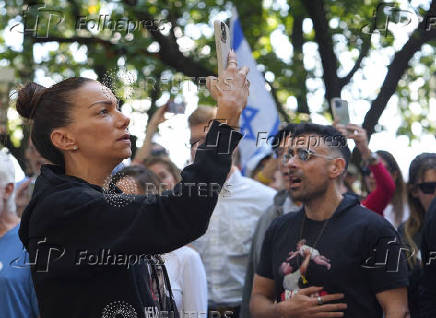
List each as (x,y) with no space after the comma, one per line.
(294,274)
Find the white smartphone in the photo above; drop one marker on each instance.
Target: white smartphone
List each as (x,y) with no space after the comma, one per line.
(340,111)
(222,42)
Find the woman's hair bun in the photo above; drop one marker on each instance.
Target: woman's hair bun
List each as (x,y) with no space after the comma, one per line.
(28,98)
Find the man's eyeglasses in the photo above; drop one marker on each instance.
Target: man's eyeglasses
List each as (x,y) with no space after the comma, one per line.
(303,155)
(427,187)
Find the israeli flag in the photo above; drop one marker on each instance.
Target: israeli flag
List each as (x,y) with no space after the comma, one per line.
(259,118)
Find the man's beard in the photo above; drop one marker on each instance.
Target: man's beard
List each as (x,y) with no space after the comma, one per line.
(308,195)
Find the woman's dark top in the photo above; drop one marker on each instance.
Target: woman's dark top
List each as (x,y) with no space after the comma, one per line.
(414,273)
(428,248)
(89,249)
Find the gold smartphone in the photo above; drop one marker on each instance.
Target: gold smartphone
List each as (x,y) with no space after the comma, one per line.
(222,42)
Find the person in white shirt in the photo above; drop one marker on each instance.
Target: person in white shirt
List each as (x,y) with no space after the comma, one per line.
(188,282)
(225,247)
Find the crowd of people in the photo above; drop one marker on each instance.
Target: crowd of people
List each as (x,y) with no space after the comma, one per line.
(305,233)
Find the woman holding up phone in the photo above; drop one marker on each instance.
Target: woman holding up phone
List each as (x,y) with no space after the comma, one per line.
(86,245)
(383,188)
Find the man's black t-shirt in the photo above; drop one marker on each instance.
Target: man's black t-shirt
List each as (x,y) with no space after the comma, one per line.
(355,252)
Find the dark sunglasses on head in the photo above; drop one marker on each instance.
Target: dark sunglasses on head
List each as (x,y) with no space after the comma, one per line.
(427,187)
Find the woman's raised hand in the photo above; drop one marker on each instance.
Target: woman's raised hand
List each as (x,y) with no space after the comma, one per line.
(358,134)
(230,91)
(158,117)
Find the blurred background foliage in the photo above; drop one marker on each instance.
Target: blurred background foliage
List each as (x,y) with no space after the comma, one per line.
(180,46)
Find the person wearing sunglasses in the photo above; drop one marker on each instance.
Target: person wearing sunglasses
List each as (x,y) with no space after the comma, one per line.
(421,190)
(225,246)
(282,204)
(339,230)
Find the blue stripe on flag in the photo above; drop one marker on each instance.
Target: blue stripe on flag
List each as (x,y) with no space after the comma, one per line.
(237,35)
(275,128)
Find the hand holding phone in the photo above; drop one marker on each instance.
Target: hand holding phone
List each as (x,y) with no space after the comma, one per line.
(222,42)
(357,134)
(230,91)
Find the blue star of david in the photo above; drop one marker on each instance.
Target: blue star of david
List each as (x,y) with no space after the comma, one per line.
(247,117)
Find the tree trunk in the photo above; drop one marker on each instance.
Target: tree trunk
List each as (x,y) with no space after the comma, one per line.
(316,11)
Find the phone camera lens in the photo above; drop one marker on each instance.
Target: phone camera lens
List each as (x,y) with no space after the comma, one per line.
(223,32)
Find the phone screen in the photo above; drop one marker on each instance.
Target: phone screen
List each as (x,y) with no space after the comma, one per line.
(176,108)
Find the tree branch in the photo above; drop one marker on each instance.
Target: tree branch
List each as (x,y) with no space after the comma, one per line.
(117,48)
(75,8)
(316,11)
(366,45)
(169,52)
(397,68)
(297,40)
(173,21)
(78,39)
(280,107)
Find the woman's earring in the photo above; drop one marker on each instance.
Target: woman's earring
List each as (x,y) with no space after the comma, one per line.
(75,148)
